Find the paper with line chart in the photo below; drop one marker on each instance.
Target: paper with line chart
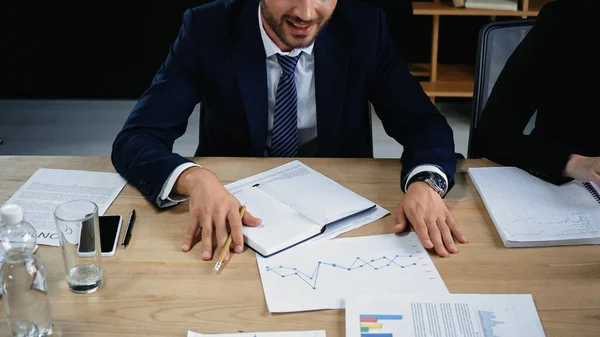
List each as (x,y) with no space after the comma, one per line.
(450,315)
(320,275)
(315,333)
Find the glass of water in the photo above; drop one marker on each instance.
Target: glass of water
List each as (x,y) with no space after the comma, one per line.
(79,236)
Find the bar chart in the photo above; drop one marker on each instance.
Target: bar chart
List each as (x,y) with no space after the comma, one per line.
(443,315)
(373,325)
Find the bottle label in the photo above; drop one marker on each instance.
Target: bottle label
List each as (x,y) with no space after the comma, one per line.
(39,280)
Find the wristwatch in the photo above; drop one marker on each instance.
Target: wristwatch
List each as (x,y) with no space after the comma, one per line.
(434,180)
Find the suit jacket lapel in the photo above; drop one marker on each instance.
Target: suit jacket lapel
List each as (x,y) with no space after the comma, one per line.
(249,61)
(331,65)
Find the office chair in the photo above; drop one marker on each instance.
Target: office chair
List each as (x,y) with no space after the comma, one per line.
(497,41)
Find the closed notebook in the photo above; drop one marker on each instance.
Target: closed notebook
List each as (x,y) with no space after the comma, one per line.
(530,212)
(296,206)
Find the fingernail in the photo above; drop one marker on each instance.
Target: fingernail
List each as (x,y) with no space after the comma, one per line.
(206,254)
(452,247)
(428,243)
(184,247)
(238,249)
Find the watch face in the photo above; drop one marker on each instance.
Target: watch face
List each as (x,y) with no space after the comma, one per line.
(436,182)
(441,182)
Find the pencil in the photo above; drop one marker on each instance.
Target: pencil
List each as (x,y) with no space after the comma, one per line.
(227,243)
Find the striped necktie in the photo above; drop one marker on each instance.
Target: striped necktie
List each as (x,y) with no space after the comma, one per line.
(284,141)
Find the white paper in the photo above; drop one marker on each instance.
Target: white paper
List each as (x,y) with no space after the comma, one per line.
(320,275)
(525,208)
(297,173)
(451,315)
(48,188)
(316,333)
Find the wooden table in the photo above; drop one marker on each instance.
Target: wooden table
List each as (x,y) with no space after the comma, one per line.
(153,289)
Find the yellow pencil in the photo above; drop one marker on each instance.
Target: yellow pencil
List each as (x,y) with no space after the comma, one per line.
(227,244)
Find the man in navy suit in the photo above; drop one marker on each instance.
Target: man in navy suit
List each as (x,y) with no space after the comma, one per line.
(285,78)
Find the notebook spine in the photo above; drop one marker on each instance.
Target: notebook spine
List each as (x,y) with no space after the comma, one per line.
(592,190)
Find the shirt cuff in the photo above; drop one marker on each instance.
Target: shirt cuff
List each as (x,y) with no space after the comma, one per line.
(167,198)
(426,168)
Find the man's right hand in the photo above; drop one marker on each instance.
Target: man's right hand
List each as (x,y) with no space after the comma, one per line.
(211,208)
(583,169)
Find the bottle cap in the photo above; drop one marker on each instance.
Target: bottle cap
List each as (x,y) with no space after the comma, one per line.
(11,214)
(15,233)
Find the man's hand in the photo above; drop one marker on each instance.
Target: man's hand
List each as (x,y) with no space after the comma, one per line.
(430,217)
(583,169)
(211,207)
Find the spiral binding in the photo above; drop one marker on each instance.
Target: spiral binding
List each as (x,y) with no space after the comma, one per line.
(592,190)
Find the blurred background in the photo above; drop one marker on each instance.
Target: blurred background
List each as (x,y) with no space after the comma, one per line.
(70,72)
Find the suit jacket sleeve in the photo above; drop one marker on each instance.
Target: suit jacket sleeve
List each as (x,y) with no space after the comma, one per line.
(406,112)
(142,151)
(515,98)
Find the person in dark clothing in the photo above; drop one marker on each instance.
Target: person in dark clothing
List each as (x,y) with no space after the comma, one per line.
(555,72)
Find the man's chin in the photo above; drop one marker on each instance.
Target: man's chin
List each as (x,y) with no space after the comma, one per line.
(299,41)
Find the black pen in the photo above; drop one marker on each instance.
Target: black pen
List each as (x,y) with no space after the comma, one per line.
(128,230)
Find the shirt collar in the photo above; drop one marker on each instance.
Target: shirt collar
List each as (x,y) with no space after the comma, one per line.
(272,49)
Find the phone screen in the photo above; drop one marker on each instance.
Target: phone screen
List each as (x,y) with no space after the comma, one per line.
(109,227)
(109,230)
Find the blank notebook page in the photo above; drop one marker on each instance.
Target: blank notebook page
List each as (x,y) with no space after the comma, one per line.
(526,208)
(316,196)
(281,226)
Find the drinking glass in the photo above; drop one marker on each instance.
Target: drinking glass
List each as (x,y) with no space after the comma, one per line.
(79,236)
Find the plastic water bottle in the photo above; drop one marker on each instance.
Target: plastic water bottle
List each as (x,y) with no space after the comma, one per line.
(24,290)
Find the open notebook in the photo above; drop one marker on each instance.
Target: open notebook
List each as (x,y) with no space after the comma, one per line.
(295,204)
(530,212)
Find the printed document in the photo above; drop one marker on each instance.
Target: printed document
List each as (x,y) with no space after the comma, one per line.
(450,315)
(319,333)
(48,188)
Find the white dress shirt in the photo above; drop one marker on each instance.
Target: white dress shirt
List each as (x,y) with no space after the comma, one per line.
(307,109)
(305,86)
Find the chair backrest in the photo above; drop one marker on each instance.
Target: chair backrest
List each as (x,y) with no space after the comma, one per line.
(497,41)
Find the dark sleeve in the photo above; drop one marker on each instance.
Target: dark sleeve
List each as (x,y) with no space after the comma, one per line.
(407,114)
(516,96)
(142,151)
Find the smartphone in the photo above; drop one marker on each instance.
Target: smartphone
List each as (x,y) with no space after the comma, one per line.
(110,228)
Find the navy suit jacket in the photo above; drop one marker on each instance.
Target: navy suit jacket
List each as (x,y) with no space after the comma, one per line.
(218,59)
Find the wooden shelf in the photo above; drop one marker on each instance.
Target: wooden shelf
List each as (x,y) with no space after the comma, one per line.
(535,6)
(446,8)
(453,80)
(457,80)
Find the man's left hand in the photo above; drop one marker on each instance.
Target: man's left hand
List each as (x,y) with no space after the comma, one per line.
(431,219)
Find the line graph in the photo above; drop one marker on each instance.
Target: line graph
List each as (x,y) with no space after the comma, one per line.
(321,275)
(312,278)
